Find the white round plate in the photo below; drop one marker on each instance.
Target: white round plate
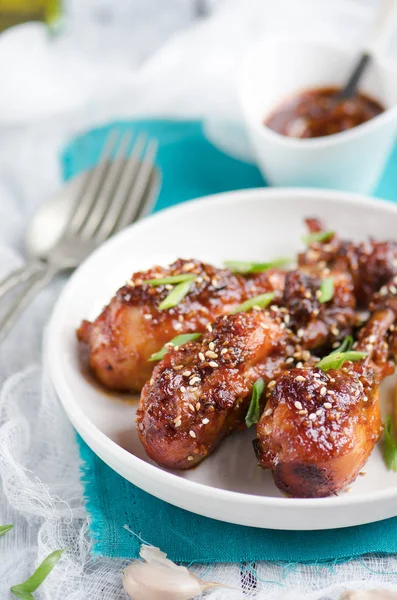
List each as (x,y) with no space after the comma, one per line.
(256,224)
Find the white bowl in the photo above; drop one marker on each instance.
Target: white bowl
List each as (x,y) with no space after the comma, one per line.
(352,160)
(248,225)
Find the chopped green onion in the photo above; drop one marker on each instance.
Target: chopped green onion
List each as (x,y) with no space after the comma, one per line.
(244,268)
(172,280)
(260,301)
(253,413)
(175,295)
(179,340)
(318,236)
(5,529)
(389,445)
(327,290)
(336,359)
(25,590)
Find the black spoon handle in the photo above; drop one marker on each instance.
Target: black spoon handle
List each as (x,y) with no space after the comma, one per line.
(351,86)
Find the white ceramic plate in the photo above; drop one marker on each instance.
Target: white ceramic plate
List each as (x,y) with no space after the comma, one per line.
(256,224)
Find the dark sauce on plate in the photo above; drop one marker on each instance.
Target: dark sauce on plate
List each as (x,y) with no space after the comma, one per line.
(317,112)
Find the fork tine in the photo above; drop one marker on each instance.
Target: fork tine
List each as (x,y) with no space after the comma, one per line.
(92,183)
(103,199)
(136,197)
(127,176)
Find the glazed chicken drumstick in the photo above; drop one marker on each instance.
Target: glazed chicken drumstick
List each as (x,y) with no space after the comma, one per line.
(132,326)
(319,427)
(199,393)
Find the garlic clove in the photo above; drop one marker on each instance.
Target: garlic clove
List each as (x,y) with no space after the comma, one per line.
(158,578)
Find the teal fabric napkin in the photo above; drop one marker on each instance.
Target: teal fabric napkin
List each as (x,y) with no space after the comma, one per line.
(192,167)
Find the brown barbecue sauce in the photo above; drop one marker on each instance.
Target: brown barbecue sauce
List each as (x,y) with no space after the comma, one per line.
(316,113)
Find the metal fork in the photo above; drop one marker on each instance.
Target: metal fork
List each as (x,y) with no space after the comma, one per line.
(117,192)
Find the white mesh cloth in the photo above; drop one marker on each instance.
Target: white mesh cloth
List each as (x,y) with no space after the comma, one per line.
(90,74)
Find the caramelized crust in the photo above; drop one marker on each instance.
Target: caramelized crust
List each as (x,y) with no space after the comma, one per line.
(131,327)
(199,393)
(319,428)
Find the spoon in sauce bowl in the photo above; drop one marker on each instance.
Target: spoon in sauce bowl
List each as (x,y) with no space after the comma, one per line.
(381,18)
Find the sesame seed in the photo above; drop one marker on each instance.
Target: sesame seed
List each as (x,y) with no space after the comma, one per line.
(199,280)
(188,266)
(182,388)
(334,330)
(190,458)
(186,373)
(271,384)
(372,339)
(287,319)
(393,289)
(256,307)
(319,412)
(289,360)
(178,326)
(299,365)
(282,325)
(177,423)
(211,346)
(383,291)
(300,333)
(318,294)
(365,399)
(209,327)
(201,356)
(307,294)
(268,412)
(130,283)
(213,364)
(317,375)
(211,354)
(303,411)
(323,391)
(224,350)
(205,421)
(312,417)
(147,317)
(168,286)
(192,434)
(194,380)
(181,318)
(191,406)
(274,308)
(299,378)
(178,418)
(198,406)
(327,405)
(298,405)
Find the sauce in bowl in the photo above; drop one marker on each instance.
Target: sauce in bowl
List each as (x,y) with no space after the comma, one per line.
(316,113)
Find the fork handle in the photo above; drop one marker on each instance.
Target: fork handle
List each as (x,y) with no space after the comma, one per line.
(38,280)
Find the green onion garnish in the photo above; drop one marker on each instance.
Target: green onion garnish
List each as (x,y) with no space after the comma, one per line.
(244,268)
(5,528)
(179,340)
(319,236)
(176,295)
(326,290)
(389,445)
(172,280)
(25,590)
(336,359)
(253,413)
(260,301)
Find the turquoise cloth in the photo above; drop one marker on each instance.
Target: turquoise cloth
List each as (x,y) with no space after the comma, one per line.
(192,167)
